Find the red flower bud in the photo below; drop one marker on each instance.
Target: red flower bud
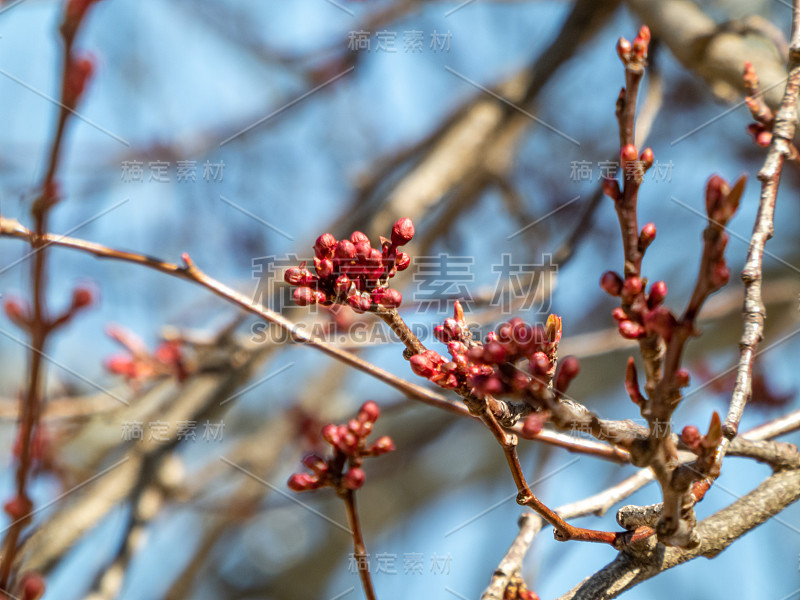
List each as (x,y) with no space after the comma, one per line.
(330,433)
(302,482)
(345,250)
(75,79)
(369,411)
(631,330)
(357,237)
(494,353)
(647,236)
(31,586)
(611,189)
(17,311)
(690,436)
(618,314)
(18,508)
(539,363)
(632,383)
(82,297)
(658,291)
(611,283)
(647,158)
(391,298)
(567,371)
(720,275)
(303,296)
(324,245)
(316,463)
(363,251)
(402,261)
(293,276)
(402,232)
(716,191)
(422,365)
(624,49)
(682,378)
(631,288)
(628,153)
(353,479)
(382,445)
(660,321)
(323,267)
(342,285)
(534,423)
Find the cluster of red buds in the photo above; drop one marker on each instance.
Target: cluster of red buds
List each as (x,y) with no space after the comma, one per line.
(634,53)
(19,311)
(642,313)
(495,367)
(342,470)
(352,272)
(139,364)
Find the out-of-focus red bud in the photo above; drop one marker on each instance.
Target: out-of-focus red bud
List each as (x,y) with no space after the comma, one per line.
(631,288)
(17,311)
(611,189)
(660,321)
(358,237)
(618,314)
(611,283)
(631,330)
(353,479)
(534,423)
(82,297)
(567,371)
(402,231)
(76,77)
(382,445)
(658,291)
(316,463)
(330,433)
(391,298)
(682,378)
(422,365)
(18,507)
(539,363)
(720,275)
(293,276)
(302,482)
(716,190)
(624,49)
(31,586)
(369,411)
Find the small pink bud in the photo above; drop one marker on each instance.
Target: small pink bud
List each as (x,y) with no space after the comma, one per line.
(618,314)
(76,77)
(17,311)
(690,436)
(363,251)
(720,275)
(631,331)
(303,296)
(611,283)
(494,353)
(31,586)
(382,445)
(316,463)
(647,158)
(342,285)
(391,298)
(624,49)
(324,246)
(302,482)
(18,507)
(82,297)
(539,363)
(345,250)
(369,411)
(628,153)
(357,237)
(567,371)
(682,378)
(658,291)
(716,190)
(534,423)
(647,236)
(354,478)
(631,288)
(330,433)
(422,365)
(632,383)
(402,232)
(660,321)
(611,189)
(402,261)
(323,267)
(293,276)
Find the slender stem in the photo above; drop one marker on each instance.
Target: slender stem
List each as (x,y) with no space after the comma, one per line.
(359,549)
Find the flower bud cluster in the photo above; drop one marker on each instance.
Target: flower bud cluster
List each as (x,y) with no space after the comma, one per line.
(641,313)
(342,470)
(351,271)
(517,359)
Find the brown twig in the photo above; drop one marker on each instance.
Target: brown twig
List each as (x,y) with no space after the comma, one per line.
(359,549)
